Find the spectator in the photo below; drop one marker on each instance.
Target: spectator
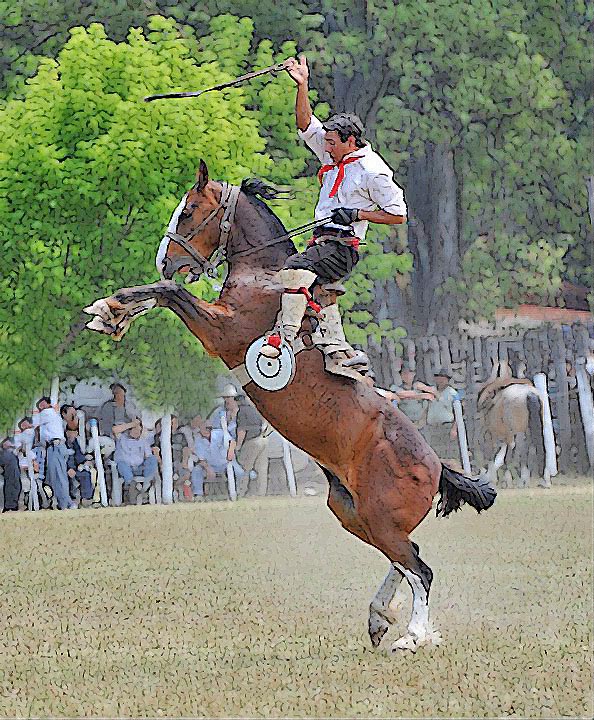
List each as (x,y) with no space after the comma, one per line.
(578,450)
(228,410)
(51,433)
(12,476)
(134,456)
(440,429)
(252,448)
(210,456)
(69,417)
(79,475)
(412,398)
(28,463)
(115,417)
(26,434)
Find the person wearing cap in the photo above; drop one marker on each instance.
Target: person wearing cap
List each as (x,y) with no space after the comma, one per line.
(412,398)
(356,187)
(440,428)
(229,412)
(134,456)
(210,457)
(12,476)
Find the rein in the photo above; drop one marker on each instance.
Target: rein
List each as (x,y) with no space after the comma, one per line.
(229,197)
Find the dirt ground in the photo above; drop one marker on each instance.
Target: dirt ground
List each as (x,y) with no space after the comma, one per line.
(259,609)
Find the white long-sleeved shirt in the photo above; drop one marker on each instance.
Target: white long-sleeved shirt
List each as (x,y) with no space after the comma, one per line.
(50,424)
(368,183)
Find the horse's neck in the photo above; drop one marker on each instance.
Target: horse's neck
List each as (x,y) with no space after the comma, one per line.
(256,226)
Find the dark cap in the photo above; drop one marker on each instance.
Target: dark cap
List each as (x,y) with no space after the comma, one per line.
(115,385)
(346,124)
(442,373)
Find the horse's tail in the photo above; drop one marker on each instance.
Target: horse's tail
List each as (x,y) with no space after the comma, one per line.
(535,433)
(456,489)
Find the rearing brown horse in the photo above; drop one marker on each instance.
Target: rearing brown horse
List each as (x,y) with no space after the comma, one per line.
(382,474)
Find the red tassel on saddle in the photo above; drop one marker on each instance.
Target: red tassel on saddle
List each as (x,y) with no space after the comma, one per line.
(310,301)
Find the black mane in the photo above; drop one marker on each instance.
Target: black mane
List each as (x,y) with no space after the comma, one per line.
(256,191)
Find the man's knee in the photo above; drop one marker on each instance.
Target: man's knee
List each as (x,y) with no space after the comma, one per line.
(293,279)
(150,466)
(125,472)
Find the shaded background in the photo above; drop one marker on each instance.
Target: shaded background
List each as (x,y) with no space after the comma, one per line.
(483,112)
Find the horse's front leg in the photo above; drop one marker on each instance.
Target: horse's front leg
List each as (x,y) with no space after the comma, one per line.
(114,314)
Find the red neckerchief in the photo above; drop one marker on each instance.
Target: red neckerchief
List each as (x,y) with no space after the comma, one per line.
(340,176)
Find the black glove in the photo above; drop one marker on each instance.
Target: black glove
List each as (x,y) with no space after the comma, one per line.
(345,216)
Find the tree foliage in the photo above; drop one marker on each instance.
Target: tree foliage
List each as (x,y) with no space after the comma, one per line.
(88,171)
(90,175)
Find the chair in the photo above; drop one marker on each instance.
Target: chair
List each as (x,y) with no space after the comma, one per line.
(139,486)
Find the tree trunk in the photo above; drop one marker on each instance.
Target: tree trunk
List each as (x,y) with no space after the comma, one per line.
(434,239)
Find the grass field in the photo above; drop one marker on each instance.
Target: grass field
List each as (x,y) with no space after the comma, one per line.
(259,609)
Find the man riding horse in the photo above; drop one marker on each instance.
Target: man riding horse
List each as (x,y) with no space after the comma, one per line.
(357,187)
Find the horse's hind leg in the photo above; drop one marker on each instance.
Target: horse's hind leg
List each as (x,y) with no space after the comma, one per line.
(419,577)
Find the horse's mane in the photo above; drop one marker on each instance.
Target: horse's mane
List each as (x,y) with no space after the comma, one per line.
(256,187)
(256,191)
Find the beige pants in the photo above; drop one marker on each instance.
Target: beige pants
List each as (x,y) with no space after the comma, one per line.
(254,456)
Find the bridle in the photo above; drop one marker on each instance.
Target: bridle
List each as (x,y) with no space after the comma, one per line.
(202,265)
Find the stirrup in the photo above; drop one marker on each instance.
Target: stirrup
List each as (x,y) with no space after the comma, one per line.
(359,362)
(337,365)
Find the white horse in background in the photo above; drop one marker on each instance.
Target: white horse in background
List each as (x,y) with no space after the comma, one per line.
(510,413)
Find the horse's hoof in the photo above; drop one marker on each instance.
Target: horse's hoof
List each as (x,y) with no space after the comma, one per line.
(100,308)
(378,627)
(413,642)
(406,642)
(99,325)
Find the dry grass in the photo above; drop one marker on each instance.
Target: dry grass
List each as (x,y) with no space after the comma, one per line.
(259,609)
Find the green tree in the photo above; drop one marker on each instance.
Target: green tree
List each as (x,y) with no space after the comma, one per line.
(90,175)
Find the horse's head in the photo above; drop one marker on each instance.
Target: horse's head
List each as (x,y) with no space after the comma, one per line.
(200,225)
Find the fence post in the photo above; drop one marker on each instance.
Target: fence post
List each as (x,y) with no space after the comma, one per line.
(82,436)
(561,405)
(288,463)
(98,462)
(55,391)
(462,440)
(230,472)
(586,407)
(166,461)
(540,383)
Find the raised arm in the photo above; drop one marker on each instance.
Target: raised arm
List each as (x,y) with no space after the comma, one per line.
(299,71)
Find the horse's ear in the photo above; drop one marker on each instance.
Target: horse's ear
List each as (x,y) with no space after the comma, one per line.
(201,176)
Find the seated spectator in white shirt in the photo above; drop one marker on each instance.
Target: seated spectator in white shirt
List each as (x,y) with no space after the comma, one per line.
(211,457)
(134,455)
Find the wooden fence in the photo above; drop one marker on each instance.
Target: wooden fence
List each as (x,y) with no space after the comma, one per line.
(469,357)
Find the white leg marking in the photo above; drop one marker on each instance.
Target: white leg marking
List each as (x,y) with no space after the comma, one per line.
(420,630)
